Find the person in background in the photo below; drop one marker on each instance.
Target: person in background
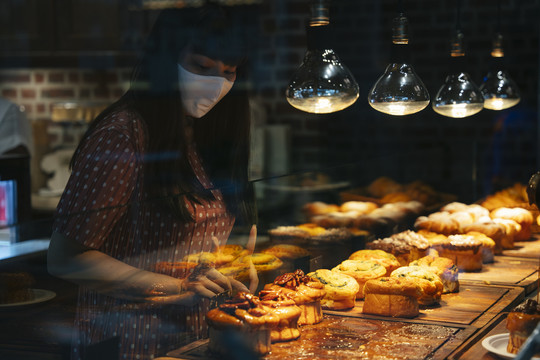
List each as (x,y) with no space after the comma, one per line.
(157,175)
(15,130)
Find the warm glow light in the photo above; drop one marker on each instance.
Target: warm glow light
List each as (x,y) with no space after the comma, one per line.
(322,84)
(500,91)
(458,110)
(500,104)
(399,91)
(458,97)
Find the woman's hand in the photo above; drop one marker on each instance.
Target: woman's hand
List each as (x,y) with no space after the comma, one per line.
(208,283)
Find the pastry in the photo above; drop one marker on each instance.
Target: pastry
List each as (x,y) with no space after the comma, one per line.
(359,207)
(238,272)
(335,219)
(465,251)
(406,246)
(267,265)
(520,323)
(495,231)
(444,268)
(488,246)
(179,269)
(434,239)
(318,208)
(305,291)
(511,228)
(361,271)
(428,280)
(477,211)
(228,253)
(16,287)
(439,222)
(201,258)
(389,261)
(286,251)
(392,296)
(241,324)
(382,186)
(341,289)
(522,216)
(288,314)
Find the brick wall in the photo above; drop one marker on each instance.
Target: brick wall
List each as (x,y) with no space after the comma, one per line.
(36,90)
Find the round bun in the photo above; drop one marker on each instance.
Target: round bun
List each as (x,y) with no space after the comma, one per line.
(428,280)
(522,216)
(465,251)
(286,251)
(392,296)
(389,261)
(444,268)
(341,289)
(361,271)
(360,207)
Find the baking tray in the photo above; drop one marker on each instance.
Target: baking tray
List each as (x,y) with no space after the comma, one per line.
(344,337)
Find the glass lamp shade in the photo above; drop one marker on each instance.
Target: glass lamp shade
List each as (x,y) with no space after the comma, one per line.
(499,91)
(458,97)
(322,84)
(399,91)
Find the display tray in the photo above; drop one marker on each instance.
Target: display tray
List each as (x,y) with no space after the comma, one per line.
(526,249)
(487,344)
(474,305)
(506,271)
(343,337)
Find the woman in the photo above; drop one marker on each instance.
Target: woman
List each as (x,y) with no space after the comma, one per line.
(156,177)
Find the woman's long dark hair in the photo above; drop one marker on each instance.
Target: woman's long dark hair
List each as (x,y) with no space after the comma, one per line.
(222,135)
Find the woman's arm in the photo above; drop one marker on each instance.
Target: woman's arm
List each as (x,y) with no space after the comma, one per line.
(69,260)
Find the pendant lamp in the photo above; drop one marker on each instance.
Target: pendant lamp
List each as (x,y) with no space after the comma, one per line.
(459,96)
(499,90)
(399,91)
(322,84)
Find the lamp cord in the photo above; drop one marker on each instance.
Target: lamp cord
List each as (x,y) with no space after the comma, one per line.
(458,13)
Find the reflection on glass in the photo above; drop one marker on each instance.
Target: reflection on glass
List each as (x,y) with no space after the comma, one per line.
(499,91)
(399,91)
(458,97)
(322,84)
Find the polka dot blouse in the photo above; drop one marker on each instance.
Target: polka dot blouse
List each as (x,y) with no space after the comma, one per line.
(102,208)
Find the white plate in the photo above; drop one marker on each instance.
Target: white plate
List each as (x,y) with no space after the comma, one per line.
(40,295)
(497,344)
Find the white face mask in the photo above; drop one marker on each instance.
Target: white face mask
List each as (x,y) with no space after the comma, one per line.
(200,92)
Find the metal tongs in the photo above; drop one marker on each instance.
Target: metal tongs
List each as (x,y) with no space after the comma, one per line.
(531,346)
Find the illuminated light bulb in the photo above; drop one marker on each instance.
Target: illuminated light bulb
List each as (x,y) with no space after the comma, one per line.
(499,90)
(458,97)
(399,91)
(322,84)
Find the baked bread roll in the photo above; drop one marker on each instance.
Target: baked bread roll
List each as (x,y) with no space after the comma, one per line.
(238,272)
(341,289)
(335,219)
(392,296)
(477,211)
(359,207)
(307,233)
(495,231)
(520,323)
(488,246)
(225,254)
(389,261)
(406,246)
(286,251)
(241,324)
(319,207)
(434,239)
(382,186)
(201,258)
(440,222)
(288,314)
(361,271)
(465,251)
(428,280)
(305,291)
(444,268)
(522,216)
(512,228)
